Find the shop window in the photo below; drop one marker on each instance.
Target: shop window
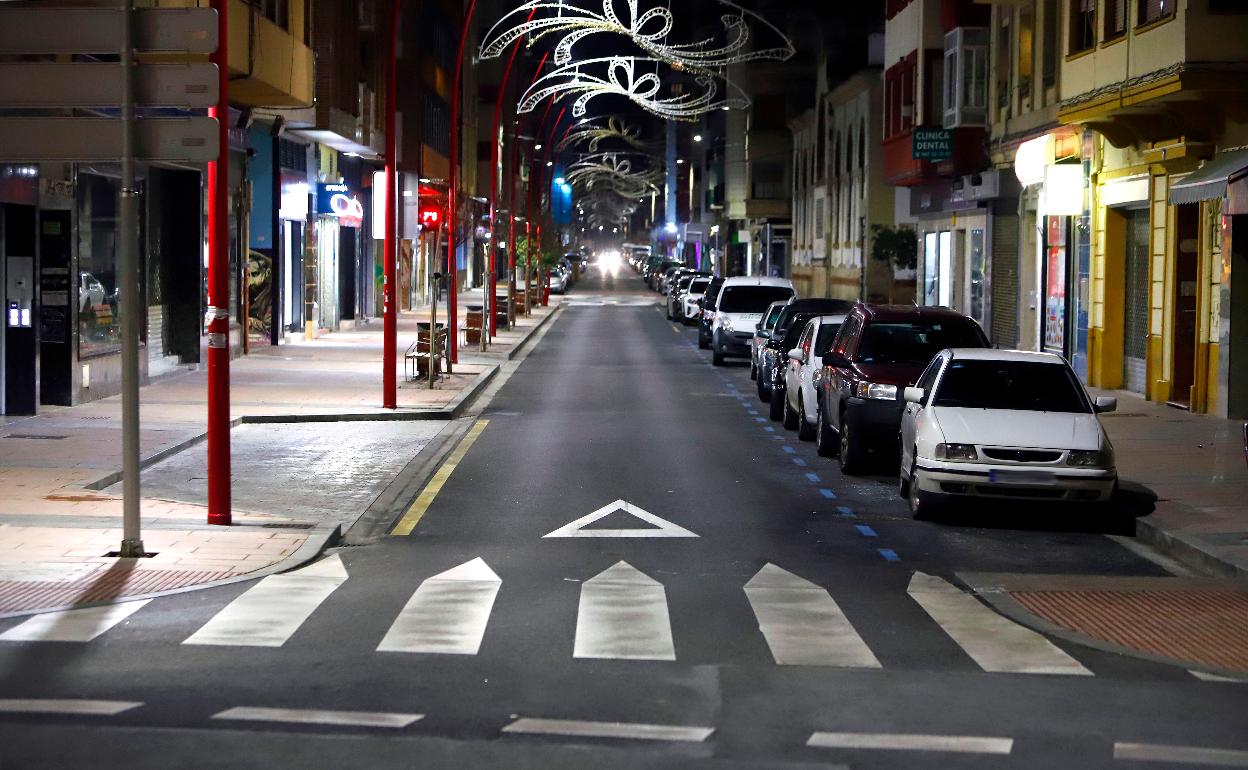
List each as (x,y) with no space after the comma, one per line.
(1155,10)
(1115,19)
(99,328)
(1082,25)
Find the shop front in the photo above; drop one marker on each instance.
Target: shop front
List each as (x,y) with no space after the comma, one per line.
(339,218)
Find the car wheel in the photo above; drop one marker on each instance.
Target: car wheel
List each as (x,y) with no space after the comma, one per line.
(903,484)
(753,369)
(805,431)
(850,450)
(776,410)
(923,505)
(790,416)
(764,393)
(825,442)
(717,358)
(702,343)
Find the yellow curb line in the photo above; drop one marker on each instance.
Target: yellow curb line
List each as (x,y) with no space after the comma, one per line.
(412,516)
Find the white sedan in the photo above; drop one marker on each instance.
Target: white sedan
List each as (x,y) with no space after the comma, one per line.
(805,361)
(1003,424)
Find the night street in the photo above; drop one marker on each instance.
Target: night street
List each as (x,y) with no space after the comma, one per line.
(774,614)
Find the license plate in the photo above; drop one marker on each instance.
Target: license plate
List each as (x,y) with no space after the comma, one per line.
(1021,477)
(750,316)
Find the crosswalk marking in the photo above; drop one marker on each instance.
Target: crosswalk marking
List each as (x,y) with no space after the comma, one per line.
(447,614)
(270,612)
(967,744)
(1205,676)
(72,625)
(992,641)
(803,624)
(319,717)
(1192,755)
(623,615)
(583,729)
(105,708)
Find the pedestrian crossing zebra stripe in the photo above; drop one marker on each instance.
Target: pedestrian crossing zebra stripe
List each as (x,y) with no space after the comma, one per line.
(447,614)
(72,625)
(803,624)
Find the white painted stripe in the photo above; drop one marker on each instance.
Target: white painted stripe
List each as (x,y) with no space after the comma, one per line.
(316,717)
(623,615)
(72,625)
(1192,755)
(966,744)
(447,614)
(106,708)
(803,624)
(271,611)
(579,729)
(1205,676)
(992,641)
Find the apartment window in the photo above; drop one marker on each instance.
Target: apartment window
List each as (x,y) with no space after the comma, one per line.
(276,11)
(819,218)
(1082,25)
(1115,19)
(836,155)
(1048,54)
(1155,10)
(862,145)
(966,77)
(899,82)
(1026,51)
(1005,44)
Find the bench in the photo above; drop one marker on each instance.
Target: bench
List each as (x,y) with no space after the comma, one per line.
(416,359)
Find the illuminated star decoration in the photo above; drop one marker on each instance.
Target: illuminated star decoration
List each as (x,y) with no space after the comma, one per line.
(619,76)
(648,30)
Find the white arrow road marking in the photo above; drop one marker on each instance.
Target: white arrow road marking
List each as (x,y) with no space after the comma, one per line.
(636,730)
(105,708)
(661,527)
(317,717)
(971,744)
(623,614)
(995,643)
(447,614)
(803,624)
(271,611)
(72,625)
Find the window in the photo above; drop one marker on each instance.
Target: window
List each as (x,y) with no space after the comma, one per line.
(1026,51)
(916,342)
(862,144)
(99,330)
(1115,19)
(899,82)
(751,299)
(1016,385)
(1048,54)
(1155,10)
(928,378)
(1005,42)
(1082,25)
(966,77)
(819,220)
(827,333)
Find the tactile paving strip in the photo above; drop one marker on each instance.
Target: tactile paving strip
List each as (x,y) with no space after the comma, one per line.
(1207,627)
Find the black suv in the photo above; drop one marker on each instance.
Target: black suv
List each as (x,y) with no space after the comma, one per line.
(773,356)
(708,311)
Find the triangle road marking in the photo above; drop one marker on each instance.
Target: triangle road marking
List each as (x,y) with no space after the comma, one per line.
(661,527)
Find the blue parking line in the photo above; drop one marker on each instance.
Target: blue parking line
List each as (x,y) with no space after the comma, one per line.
(866,531)
(761,419)
(828,494)
(814,477)
(788,449)
(845,511)
(889,554)
(769,429)
(799,462)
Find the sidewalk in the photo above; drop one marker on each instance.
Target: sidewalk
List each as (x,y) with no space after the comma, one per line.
(60,513)
(1195,466)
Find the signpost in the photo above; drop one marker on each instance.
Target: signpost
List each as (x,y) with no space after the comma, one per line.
(932,144)
(126,139)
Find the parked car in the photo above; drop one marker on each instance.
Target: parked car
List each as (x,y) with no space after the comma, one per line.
(668,280)
(675,302)
(560,276)
(689,308)
(762,332)
(740,306)
(90,291)
(707,315)
(1004,424)
(776,360)
(880,350)
(773,356)
(799,376)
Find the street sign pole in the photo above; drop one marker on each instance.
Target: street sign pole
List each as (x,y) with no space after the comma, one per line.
(218,317)
(127,263)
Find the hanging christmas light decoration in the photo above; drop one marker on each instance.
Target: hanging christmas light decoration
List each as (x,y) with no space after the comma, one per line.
(648,30)
(620,77)
(610,173)
(592,135)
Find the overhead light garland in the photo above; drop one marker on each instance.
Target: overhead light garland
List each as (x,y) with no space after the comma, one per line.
(592,135)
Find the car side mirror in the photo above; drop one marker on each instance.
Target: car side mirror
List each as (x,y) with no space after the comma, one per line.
(913,395)
(797,354)
(835,359)
(701,302)
(1106,404)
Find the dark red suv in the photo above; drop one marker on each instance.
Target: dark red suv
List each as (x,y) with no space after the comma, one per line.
(879,351)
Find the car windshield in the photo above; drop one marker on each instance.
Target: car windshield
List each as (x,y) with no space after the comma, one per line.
(1020,385)
(699,286)
(752,299)
(823,340)
(797,325)
(712,294)
(770,321)
(915,342)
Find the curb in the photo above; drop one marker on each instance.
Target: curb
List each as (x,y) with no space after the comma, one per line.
(319,539)
(1188,551)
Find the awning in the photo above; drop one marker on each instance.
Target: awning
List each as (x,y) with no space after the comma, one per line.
(1210,180)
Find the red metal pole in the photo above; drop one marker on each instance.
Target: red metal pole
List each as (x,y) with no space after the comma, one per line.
(452,305)
(495,172)
(218,319)
(515,184)
(390,259)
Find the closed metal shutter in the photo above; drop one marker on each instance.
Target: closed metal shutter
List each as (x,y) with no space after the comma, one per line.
(1135,302)
(1004,280)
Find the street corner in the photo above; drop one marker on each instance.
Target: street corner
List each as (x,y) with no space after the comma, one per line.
(1195,623)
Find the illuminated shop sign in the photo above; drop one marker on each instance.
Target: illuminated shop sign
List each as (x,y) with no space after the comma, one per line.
(337,200)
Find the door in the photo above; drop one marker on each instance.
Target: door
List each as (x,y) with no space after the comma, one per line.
(1186,259)
(977,306)
(1135,303)
(347,272)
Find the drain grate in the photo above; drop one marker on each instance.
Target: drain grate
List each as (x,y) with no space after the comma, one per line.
(36,436)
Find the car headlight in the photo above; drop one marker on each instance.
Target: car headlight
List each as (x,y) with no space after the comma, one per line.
(725,323)
(1089,458)
(877,391)
(956,452)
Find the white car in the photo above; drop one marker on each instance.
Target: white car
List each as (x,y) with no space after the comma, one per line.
(1003,424)
(689,300)
(805,362)
(741,304)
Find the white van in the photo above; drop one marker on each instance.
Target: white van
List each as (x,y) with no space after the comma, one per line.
(742,302)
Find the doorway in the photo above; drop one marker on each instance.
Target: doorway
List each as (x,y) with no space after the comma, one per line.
(292,275)
(1135,302)
(1186,267)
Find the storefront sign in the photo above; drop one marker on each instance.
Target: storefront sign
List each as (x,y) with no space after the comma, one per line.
(337,200)
(932,144)
(1055,285)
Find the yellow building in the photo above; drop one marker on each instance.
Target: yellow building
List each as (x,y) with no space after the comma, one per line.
(1163,87)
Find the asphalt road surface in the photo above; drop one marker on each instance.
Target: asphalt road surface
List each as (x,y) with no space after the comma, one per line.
(625,565)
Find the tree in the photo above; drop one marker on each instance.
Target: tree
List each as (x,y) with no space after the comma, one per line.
(898,245)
